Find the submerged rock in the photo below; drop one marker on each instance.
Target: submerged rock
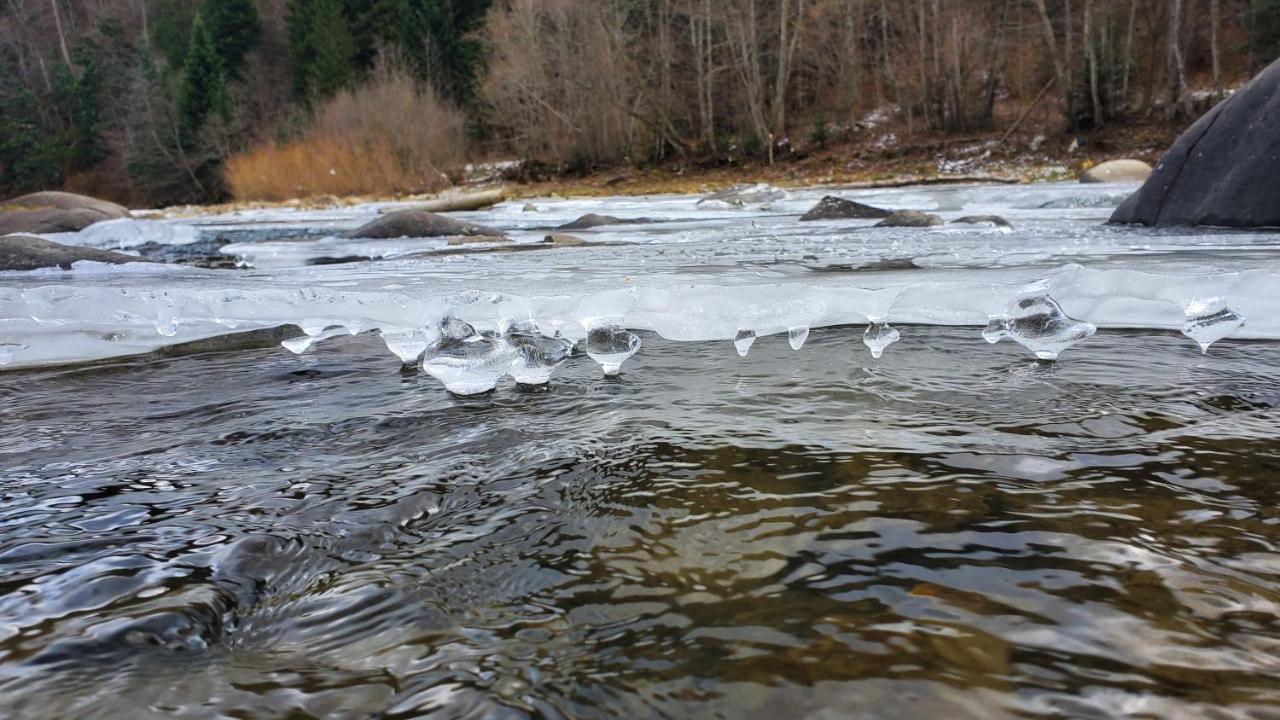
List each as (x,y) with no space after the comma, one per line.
(984,220)
(836,208)
(563,240)
(910,218)
(419,223)
(1221,171)
(1117,171)
(54,212)
(26,252)
(591,220)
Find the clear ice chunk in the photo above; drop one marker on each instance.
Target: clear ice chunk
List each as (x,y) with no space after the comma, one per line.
(299,345)
(465,361)
(8,350)
(1039,324)
(796,337)
(995,331)
(610,346)
(405,343)
(743,341)
(537,355)
(880,335)
(1210,320)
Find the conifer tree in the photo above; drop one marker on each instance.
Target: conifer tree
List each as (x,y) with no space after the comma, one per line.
(321,46)
(235,29)
(203,92)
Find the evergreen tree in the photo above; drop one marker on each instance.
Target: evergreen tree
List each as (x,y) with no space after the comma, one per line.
(332,49)
(170,22)
(203,91)
(235,29)
(437,39)
(321,47)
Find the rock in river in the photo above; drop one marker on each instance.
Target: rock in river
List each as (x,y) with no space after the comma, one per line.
(563,240)
(910,218)
(54,212)
(1117,171)
(419,223)
(1221,171)
(591,220)
(984,220)
(836,208)
(26,252)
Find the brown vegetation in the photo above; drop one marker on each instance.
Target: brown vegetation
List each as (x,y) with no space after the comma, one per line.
(388,136)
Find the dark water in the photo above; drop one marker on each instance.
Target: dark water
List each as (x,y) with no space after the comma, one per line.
(954,531)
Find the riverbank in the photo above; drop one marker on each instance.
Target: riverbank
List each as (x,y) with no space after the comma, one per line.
(867,159)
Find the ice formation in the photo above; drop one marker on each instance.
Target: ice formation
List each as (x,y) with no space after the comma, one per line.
(879,336)
(722,274)
(611,345)
(1209,321)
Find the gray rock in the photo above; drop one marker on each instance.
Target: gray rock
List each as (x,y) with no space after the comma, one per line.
(984,220)
(1117,171)
(419,223)
(54,212)
(592,220)
(835,208)
(1222,171)
(910,218)
(563,240)
(25,252)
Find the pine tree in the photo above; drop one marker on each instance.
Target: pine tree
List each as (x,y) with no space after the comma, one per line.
(333,49)
(436,37)
(235,29)
(322,48)
(203,92)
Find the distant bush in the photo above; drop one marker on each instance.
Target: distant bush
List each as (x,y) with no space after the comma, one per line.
(389,136)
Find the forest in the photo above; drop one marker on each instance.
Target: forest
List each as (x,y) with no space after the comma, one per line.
(155,102)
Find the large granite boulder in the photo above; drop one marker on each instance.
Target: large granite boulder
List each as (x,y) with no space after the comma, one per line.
(419,224)
(1117,171)
(55,212)
(1223,170)
(837,208)
(25,252)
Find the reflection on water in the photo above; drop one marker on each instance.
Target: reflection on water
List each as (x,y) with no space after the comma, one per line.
(952,531)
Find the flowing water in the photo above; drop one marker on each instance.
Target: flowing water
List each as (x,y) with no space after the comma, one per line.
(952,530)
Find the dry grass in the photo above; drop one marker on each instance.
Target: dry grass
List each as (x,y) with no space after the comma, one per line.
(386,138)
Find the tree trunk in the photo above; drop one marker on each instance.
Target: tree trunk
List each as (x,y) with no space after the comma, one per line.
(62,38)
(1091,57)
(1177,76)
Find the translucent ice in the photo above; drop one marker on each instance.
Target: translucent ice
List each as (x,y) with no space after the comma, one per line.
(611,345)
(1039,324)
(743,340)
(7,351)
(796,337)
(405,343)
(465,361)
(313,335)
(537,355)
(1208,321)
(880,335)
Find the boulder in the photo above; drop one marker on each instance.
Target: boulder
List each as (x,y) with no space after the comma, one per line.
(910,218)
(1117,171)
(1221,171)
(592,220)
(984,220)
(563,240)
(54,212)
(835,208)
(419,223)
(26,252)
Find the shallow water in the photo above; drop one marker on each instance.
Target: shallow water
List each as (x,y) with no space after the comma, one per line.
(954,530)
